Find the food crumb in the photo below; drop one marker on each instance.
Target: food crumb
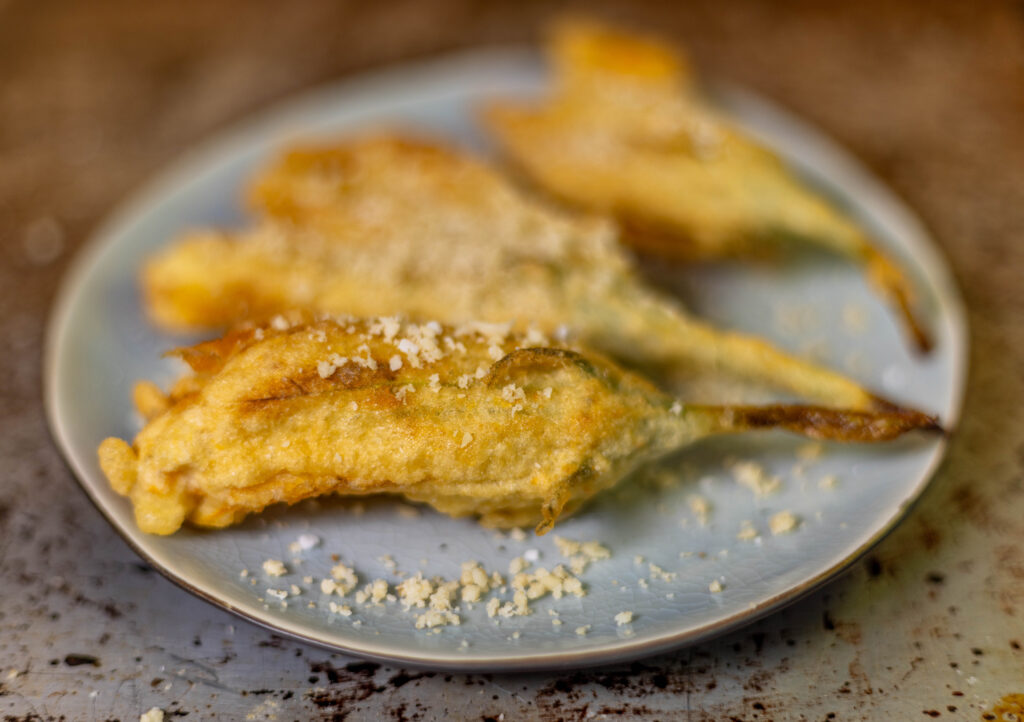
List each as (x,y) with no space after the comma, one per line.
(375,592)
(415,591)
(305,542)
(342,609)
(274,568)
(623,618)
(492,607)
(783,522)
(715,587)
(435,618)
(154,714)
(659,573)
(582,631)
(344,577)
(754,477)
(700,507)
(829,482)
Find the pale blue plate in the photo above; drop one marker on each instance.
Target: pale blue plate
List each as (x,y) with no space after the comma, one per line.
(99,343)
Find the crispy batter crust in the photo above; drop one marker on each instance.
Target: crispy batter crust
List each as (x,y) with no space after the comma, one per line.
(326,408)
(385,225)
(627,132)
(471,420)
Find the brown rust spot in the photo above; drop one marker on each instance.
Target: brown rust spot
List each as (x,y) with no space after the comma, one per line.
(1011,560)
(929,536)
(971,505)
(849,632)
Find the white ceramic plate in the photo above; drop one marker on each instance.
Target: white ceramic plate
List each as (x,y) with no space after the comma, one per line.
(99,343)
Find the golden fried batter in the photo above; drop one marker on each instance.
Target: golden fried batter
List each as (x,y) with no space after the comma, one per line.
(627,132)
(384,225)
(471,420)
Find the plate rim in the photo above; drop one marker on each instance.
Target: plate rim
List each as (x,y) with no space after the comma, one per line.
(234,137)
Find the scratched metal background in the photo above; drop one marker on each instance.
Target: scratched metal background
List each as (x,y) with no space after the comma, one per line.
(96,96)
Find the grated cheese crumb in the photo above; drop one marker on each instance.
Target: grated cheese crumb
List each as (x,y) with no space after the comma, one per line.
(274,568)
(623,618)
(659,573)
(700,507)
(715,587)
(517,565)
(375,592)
(395,362)
(472,593)
(582,631)
(783,523)
(342,609)
(344,578)
(443,596)
(492,607)
(754,477)
(434,618)
(153,714)
(415,591)
(325,369)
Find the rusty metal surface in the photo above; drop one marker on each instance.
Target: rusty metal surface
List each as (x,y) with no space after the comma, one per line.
(94,97)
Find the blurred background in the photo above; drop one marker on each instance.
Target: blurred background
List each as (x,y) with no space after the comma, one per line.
(97,96)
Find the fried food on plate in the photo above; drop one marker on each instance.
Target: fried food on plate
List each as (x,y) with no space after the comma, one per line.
(627,131)
(472,420)
(385,225)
